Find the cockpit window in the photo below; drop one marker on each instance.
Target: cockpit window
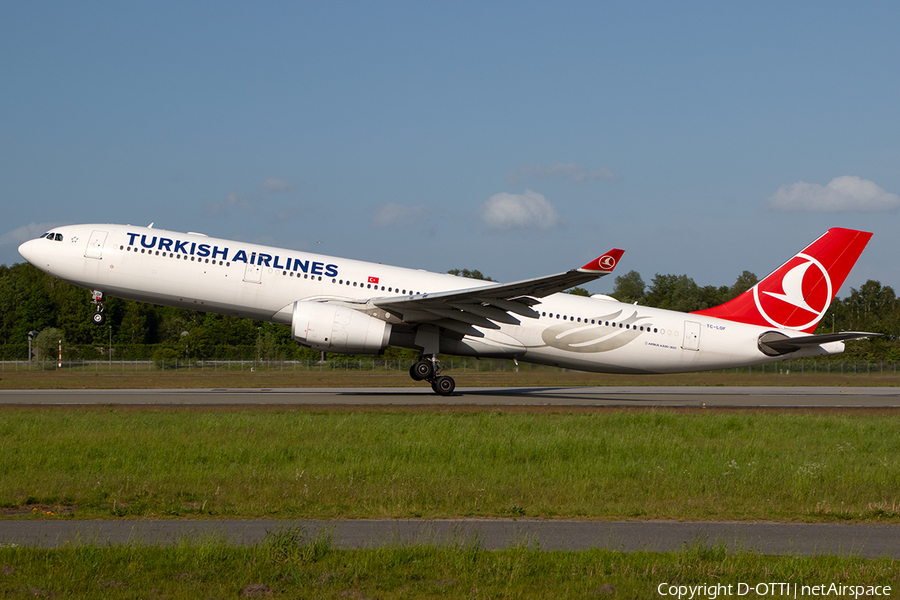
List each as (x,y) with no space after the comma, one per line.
(58,237)
(53,236)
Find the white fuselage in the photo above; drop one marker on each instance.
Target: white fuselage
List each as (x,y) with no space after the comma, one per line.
(259,282)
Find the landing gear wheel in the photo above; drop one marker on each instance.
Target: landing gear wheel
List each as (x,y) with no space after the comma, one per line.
(443,385)
(98,318)
(424,369)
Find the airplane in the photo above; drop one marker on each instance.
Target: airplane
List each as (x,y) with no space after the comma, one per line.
(355,307)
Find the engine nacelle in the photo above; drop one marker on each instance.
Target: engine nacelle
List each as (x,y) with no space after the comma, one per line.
(331,328)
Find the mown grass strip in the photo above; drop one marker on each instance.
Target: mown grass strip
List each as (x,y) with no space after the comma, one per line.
(656,464)
(289,565)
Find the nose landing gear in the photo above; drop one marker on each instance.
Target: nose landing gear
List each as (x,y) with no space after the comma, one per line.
(99,317)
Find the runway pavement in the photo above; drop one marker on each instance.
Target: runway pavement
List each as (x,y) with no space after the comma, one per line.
(870,541)
(671,396)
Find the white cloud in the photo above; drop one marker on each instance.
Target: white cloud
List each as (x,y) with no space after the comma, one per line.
(572,171)
(27,232)
(503,211)
(845,193)
(275,185)
(390,214)
(247,202)
(288,213)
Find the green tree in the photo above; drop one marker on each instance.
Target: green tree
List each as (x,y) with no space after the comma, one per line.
(476,274)
(744,282)
(630,288)
(674,292)
(47,343)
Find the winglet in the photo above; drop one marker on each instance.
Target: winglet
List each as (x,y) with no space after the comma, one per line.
(605,264)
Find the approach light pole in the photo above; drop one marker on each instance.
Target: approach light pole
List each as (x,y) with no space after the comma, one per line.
(31,336)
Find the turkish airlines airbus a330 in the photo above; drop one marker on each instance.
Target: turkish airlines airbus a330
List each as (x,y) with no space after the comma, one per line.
(349,306)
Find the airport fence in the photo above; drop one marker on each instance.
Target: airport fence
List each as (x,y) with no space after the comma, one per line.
(456,364)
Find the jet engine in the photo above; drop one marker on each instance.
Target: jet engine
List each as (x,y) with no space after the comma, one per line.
(334,328)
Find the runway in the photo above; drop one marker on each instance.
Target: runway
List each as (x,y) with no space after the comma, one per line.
(869,541)
(669,396)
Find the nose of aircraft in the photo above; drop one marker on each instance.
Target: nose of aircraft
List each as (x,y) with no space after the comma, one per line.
(27,250)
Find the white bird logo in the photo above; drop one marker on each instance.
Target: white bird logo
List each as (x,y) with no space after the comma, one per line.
(792,284)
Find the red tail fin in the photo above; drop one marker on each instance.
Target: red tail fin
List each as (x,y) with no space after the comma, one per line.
(797,294)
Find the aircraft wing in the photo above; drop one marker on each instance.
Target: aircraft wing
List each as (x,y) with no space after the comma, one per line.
(485,306)
(775,343)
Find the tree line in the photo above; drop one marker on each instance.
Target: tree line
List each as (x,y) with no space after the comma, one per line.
(32,301)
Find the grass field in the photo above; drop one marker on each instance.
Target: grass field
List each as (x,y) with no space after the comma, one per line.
(287,565)
(352,463)
(687,464)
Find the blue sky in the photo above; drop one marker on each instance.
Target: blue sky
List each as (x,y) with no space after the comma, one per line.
(521,139)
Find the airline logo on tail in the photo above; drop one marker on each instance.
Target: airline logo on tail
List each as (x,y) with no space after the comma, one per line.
(801,299)
(799,292)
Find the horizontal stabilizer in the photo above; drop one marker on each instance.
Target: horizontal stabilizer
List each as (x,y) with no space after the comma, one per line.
(774,343)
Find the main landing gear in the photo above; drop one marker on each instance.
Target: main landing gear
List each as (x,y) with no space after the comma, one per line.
(99,317)
(429,369)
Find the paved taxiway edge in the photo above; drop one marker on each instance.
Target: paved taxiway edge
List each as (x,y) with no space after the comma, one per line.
(868,541)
